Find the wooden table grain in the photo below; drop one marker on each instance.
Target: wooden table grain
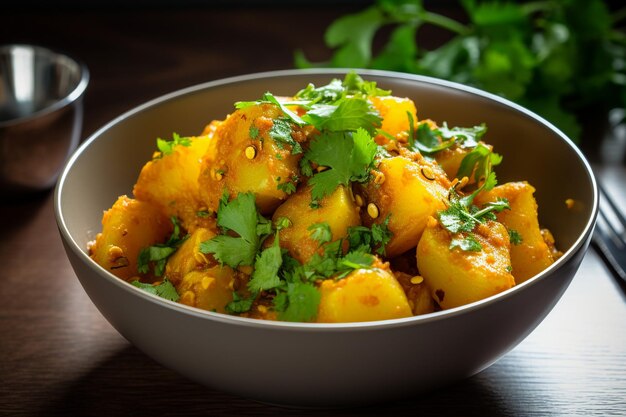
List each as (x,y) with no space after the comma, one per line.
(59,356)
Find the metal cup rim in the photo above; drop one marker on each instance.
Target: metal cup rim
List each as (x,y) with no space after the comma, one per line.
(68,99)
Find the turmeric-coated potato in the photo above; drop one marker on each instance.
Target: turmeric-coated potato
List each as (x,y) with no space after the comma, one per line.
(530,254)
(457,277)
(170,182)
(394,110)
(188,257)
(209,289)
(364,295)
(407,191)
(338,210)
(127,227)
(245,157)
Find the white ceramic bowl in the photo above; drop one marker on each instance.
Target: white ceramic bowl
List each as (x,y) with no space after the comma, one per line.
(325,365)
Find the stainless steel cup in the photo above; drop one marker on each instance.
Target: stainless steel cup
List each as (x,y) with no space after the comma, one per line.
(41,114)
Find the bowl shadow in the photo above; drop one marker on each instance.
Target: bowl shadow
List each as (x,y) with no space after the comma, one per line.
(130,383)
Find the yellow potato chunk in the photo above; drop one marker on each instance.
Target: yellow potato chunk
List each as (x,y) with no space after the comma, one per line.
(127,227)
(394,110)
(532,254)
(209,289)
(364,295)
(245,158)
(407,191)
(417,292)
(457,277)
(338,210)
(170,182)
(188,256)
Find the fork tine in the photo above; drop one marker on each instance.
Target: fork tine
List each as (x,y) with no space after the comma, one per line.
(610,241)
(616,211)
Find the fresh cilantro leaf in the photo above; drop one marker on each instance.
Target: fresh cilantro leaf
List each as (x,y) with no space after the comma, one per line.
(466,242)
(356,85)
(270,98)
(286,187)
(265,274)
(164,290)
(281,133)
(349,115)
(321,232)
(515,237)
(159,253)
(430,141)
(167,146)
(303,301)
(253,132)
(230,250)
(240,216)
(349,157)
(356,260)
(326,94)
(239,304)
(480,162)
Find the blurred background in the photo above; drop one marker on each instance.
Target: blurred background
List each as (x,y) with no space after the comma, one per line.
(564,59)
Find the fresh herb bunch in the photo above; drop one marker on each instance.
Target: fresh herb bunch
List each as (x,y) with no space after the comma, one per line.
(556,57)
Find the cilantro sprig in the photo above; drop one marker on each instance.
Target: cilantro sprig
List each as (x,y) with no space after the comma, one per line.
(166,147)
(165,289)
(348,156)
(239,216)
(430,141)
(461,216)
(159,253)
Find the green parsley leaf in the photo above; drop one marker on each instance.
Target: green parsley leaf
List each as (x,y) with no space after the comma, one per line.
(164,290)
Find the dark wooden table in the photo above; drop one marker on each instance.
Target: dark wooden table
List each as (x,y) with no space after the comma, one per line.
(58,356)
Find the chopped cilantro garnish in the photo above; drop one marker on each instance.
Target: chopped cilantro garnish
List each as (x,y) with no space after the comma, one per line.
(164,290)
(240,216)
(461,217)
(167,146)
(239,304)
(364,239)
(430,141)
(281,133)
(299,303)
(480,161)
(515,237)
(349,115)
(349,157)
(321,232)
(159,253)
(265,274)
(253,132)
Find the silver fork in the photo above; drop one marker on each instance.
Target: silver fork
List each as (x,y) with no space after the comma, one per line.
(610,234)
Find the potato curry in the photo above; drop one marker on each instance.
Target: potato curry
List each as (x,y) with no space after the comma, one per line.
(335,205)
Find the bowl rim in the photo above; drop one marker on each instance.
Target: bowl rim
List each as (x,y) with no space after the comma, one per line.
(577,245)
(71,97)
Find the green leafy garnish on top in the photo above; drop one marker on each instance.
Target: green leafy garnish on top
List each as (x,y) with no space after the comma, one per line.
(349,157)
(166,147)
(159,253)
(165,289)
